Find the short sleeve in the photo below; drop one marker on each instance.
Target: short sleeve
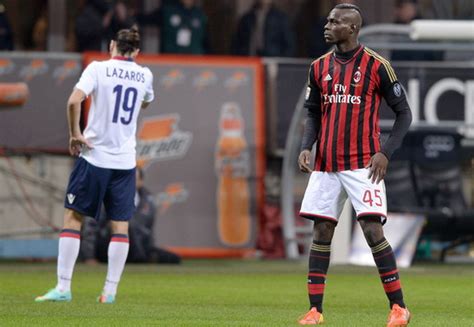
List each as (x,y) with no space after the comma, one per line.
(149,93)
(88,81)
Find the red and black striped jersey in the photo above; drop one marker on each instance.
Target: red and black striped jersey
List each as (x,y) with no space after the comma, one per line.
(345,94)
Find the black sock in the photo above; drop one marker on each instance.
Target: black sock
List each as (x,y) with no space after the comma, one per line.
(387,266)
(318,266)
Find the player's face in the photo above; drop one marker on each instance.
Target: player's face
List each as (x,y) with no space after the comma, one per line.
(337,29)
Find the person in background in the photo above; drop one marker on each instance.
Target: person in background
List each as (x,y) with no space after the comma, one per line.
(142,249)
(264,31)
(117,18)
(452,9)
(6,34)
(183,27)
(39,33)
(91,24)
(405,12)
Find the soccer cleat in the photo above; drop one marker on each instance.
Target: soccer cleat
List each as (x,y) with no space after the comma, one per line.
(313,317)
(55,295)
(103,298)
(398,317)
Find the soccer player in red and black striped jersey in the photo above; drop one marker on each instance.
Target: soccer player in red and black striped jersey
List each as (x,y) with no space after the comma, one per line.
(345,89)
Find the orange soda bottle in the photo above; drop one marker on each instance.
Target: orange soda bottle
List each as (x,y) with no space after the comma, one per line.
(232,163)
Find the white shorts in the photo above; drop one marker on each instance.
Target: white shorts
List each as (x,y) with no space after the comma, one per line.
(327,192)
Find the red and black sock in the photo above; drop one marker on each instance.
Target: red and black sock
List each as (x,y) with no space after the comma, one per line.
(387,266)
(318,267)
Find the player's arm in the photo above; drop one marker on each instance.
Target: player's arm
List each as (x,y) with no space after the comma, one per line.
(85,86)
(313,121)
(395,97)
(149,93)
(76,139)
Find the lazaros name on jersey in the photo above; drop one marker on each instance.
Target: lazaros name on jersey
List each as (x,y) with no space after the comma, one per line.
(341,98)
(125,74)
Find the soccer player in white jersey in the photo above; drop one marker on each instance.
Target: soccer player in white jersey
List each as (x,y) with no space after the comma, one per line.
(105,170)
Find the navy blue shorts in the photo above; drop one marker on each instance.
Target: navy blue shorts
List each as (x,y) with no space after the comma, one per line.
(90,186)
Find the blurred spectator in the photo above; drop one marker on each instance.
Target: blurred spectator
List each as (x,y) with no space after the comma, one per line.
(183,27)
(264,31)
(91,24)
(453,9)
(96,234)
(317,45)
(39,33)
(6,34)
(405,12)
(118,18)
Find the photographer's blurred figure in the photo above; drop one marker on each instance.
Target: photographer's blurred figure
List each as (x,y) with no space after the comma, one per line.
(142,249)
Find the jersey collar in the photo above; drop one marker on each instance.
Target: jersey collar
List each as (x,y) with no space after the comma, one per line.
(346,57)
(122,58)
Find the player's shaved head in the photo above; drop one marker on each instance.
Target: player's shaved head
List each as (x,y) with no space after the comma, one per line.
(351,14)
(343,26)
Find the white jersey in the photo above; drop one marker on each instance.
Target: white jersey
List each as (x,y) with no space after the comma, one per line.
(118,88)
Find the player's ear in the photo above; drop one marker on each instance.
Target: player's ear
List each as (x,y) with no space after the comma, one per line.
(135,53)
(111,45)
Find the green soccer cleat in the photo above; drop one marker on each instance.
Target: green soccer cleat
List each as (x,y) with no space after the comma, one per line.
(103,298)
(55,295)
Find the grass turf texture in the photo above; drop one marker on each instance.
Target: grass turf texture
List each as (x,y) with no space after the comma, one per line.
(232,293)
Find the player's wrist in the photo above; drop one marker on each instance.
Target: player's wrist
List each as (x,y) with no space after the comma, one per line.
(75,133)
(384,154)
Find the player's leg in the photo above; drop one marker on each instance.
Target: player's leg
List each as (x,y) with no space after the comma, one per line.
(117,256)
(323,202)
(369,202)
(69,244)
(319,257)
(68,250)
(83,197)
(387,267)
(119,205)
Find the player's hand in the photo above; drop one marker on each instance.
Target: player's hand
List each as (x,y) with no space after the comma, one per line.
(76,143)
(303,161)
(377,167)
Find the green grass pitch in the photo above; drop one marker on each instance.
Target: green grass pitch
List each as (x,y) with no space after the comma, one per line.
(233,293)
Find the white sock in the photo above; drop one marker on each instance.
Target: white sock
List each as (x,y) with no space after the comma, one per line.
(117,253)
(69,242)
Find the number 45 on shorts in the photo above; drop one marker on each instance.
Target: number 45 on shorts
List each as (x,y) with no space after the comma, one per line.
(372,197)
